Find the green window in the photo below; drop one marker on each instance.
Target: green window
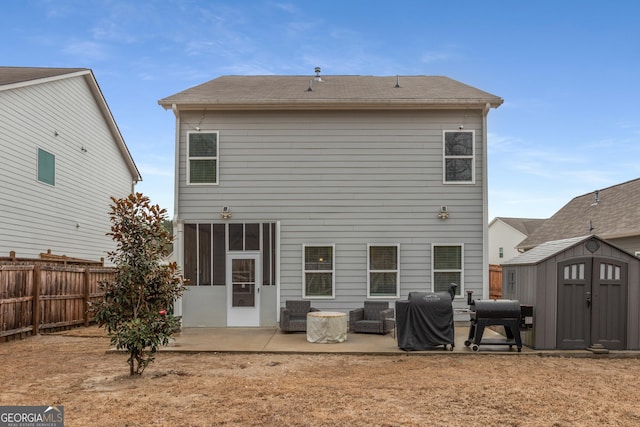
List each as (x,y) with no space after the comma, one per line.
(447,262)
(46,167)
(203,158)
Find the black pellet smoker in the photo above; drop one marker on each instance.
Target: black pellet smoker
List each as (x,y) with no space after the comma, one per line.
(496,312)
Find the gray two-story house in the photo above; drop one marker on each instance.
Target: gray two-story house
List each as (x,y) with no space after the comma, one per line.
(336,189)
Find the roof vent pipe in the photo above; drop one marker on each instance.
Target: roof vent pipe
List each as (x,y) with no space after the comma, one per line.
(597,198)
(397,80)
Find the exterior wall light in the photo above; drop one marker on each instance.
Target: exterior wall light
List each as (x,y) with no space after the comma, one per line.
(444,213)
(226,212)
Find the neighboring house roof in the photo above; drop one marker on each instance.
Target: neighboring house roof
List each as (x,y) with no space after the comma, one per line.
(367,92)
(16,77)
(611,213)
(11,75)
(525,226)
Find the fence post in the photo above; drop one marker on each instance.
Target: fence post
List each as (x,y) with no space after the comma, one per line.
(36,299)
(87,277)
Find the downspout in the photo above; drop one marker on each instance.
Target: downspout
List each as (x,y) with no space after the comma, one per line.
(485,204)
(277,272)
(178,226)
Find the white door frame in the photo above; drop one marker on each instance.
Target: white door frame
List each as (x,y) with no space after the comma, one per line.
(244,312)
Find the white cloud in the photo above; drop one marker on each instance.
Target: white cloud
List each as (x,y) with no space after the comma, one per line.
(87,50)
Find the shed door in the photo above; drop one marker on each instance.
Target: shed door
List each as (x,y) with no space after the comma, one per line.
(609,304)
(592,303)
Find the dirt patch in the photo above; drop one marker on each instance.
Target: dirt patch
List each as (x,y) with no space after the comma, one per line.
(209,389)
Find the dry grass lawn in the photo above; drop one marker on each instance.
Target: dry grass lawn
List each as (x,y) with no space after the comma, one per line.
(209,389)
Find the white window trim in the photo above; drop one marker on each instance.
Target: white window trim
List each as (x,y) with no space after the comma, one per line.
(461,271)
(369,271)
(472,157)
(216,158)
(333,270)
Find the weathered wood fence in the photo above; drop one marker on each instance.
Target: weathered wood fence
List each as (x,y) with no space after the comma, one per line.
(40,296)
(495,281)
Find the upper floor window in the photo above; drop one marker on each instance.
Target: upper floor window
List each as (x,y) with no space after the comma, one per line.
(319,271)
(46,167)
(384,271)
(459,157)
(202,155)
(447,266)
(501,252)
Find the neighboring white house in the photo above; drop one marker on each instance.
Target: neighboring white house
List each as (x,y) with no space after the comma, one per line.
(62,158)
(335,189)
(506,233)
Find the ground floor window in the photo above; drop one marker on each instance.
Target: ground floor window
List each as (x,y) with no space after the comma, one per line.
(447,261)
(318,271)
(206,245)
(383,271)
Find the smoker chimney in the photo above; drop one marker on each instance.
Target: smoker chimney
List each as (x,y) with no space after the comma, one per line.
(318,78)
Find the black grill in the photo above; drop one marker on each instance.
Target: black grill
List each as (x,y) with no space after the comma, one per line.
(502,312)
(425,320)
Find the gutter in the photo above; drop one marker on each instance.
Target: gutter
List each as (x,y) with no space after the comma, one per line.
(485,204)
(333,104)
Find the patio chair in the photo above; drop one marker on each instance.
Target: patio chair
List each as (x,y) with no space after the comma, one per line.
(293,316)
(374,318)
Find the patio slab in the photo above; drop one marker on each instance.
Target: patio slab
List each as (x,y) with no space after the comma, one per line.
(273,340)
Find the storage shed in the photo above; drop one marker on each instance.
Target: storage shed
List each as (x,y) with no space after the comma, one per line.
(584,291)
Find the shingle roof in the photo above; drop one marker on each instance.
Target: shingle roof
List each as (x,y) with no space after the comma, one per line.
(333,91)
(524,225)
(615,215)
(11,75)
(544,251)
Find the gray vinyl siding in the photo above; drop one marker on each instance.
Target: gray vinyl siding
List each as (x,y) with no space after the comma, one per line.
(36,216)
(346,178)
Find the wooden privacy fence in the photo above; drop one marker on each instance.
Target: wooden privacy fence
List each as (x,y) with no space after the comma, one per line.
(35,297)
(495,281)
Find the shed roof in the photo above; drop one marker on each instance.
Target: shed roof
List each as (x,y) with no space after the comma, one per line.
(612,213)
(545,250)
(339,91)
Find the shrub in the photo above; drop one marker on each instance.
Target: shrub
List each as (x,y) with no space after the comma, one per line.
(138,302)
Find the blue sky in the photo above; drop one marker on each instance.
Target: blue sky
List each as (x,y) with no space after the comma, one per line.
(569,72)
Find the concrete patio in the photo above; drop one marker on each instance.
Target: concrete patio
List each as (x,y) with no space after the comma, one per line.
(272,340)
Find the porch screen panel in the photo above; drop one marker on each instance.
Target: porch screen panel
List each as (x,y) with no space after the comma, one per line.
(190,267)
(236,237)
(252,237)
(268,253)
(204,254)
(218,256)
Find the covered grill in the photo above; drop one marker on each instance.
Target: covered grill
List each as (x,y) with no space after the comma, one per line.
(485,313)
(425,320)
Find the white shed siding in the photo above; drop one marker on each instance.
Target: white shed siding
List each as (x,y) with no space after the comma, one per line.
(37,216)
(346,178)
